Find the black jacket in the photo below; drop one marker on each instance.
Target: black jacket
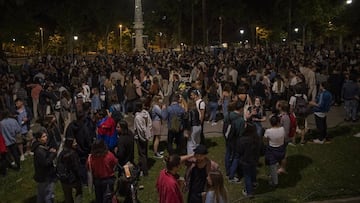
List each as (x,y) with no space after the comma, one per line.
(43,163)
(248,147)
(125,151)
(70,159)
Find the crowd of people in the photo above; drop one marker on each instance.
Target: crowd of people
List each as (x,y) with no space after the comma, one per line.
(74,113)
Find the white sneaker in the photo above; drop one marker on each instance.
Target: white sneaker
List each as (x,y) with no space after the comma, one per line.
(317,141)
(22,158)
(357,135)
(213,123)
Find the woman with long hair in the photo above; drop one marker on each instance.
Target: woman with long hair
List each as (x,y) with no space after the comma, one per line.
(125,147)
(101,163)
(216,190)
(156,124)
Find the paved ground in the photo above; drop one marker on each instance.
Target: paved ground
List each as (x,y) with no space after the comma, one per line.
(335,118)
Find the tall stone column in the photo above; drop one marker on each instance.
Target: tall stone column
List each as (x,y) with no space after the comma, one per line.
(138,27)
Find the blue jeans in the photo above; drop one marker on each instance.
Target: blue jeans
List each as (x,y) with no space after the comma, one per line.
(45,192)
(249,173)
(351,109)
(321,125)
(213,106)
(225,107)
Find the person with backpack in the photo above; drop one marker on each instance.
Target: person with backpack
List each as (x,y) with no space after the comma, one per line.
(321,107)
(193,127)
(195,95)
(235,125)
(174,115)
(68,171)
(142,127)
(299,106)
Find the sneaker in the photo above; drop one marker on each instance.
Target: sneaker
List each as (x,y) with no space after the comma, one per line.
(244,192)
(29,153)
(234,180)
(281,171)
(317,141)
(22,158)
(161,152)
(213,123)
(158,155)
(292,144)
(357,135)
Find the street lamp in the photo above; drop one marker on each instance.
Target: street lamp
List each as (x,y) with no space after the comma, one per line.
(241,34)
(42,39)
(348,2)
(120,37)
(296,30)
(76,37)
(220,31)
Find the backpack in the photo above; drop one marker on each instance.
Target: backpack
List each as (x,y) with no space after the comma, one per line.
(63,172)
(175,124)
(301,107)
(116,112)
(229,129)
(293,125)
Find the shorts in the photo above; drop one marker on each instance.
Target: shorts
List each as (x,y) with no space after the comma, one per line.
(300,121)
(24,138)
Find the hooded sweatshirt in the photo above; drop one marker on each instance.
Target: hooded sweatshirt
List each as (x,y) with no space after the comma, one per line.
(142,125)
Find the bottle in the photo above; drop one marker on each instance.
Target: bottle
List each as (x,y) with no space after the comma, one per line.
(127,171)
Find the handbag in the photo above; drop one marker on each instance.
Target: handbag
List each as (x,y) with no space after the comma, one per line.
(90,177)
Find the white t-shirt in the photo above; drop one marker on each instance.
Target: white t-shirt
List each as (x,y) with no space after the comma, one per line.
(200,103)
(276,136)
(292,100)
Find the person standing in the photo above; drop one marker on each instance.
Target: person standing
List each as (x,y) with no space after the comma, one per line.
(197,172)
(142,127)
(9,128)
(216,192)
(44,168)
(156,125)
(174,115)
(193,128)
(321,106)
(101,162)
(249,151)
(167,183)
(24,117)
(70,161)
(275,150)
(125,148)
(350,95)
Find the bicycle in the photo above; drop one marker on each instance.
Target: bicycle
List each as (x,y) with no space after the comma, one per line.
(127,182)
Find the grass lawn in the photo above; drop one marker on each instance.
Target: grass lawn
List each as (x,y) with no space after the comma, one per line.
(315,172)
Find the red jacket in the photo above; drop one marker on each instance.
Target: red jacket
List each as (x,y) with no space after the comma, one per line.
(168,188)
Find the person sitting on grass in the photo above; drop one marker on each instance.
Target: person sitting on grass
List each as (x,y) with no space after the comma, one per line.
(275,150)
